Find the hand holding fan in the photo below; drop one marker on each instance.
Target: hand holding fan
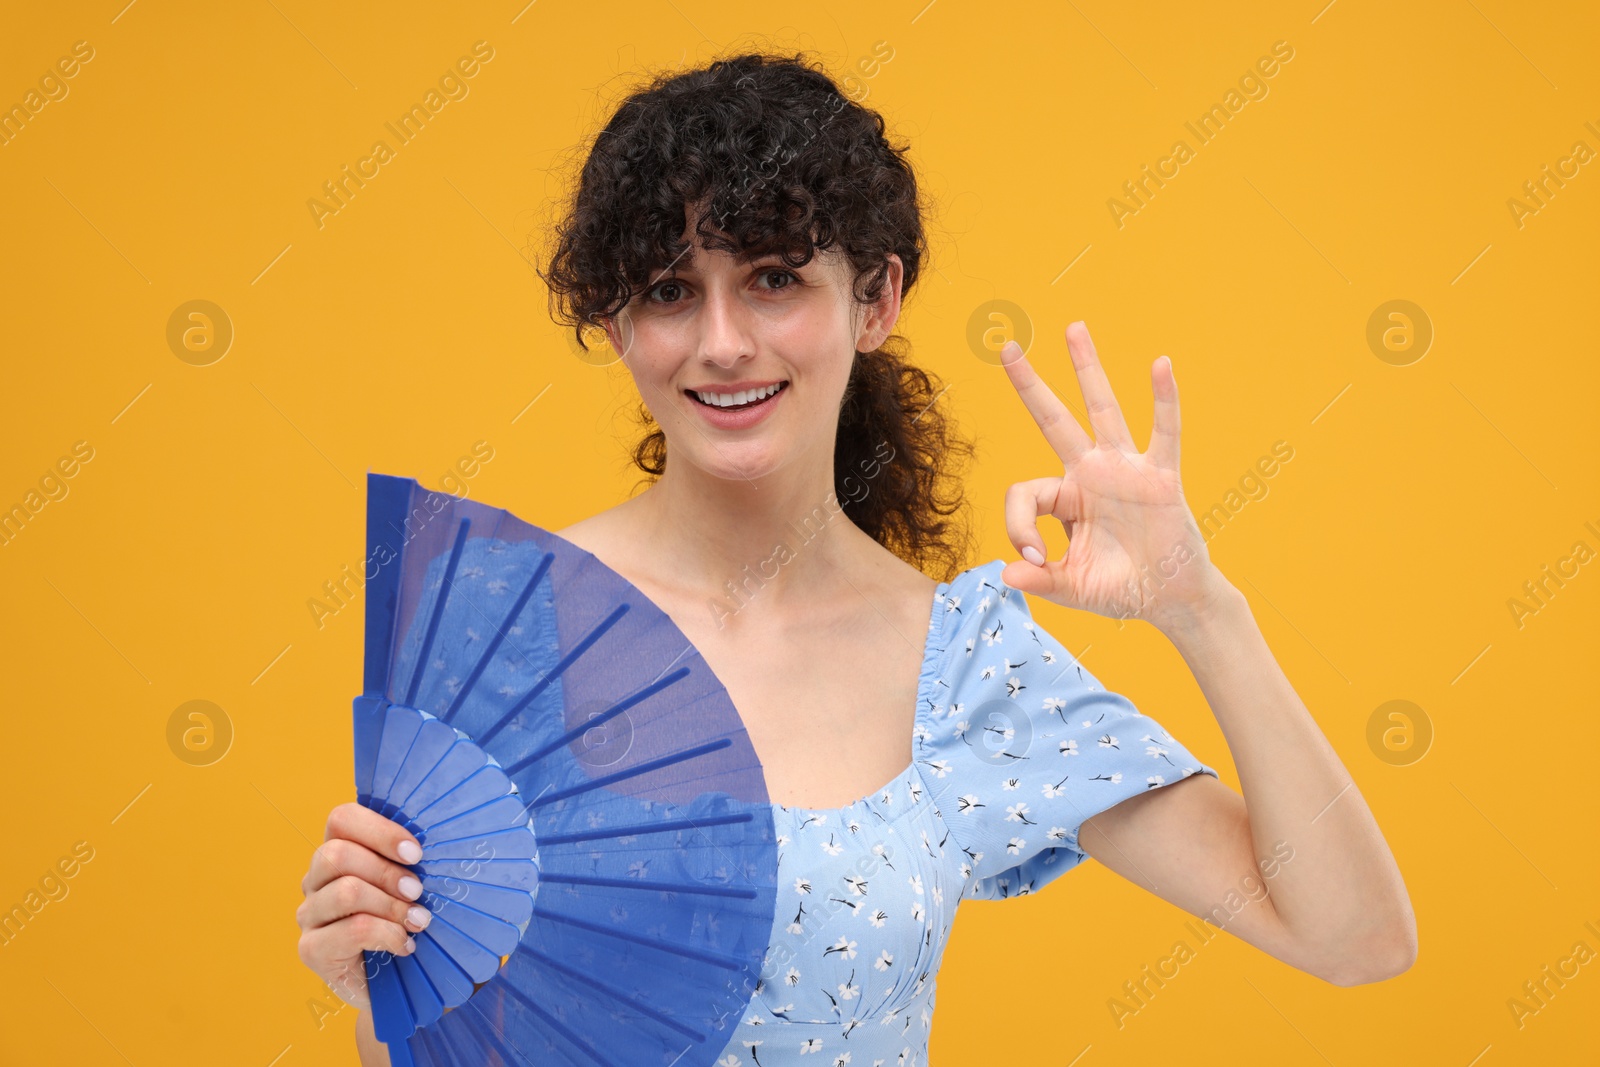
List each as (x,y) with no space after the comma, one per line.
(598,851)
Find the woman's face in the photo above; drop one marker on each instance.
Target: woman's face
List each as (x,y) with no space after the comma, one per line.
(744,364)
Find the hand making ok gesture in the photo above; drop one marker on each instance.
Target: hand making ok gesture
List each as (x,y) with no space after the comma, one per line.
(1134,550)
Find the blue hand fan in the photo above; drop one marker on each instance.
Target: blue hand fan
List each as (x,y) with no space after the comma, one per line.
(598,851)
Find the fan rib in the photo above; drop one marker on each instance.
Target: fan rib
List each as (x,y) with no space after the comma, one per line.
(606,716)
(485,781)
(460,765)
(391,1013)
(555,672)
(503,1046)
(639,883)
(499,636)
(367,717)
(643,768)
(726,962)
(463,949)
(515,905)
(623,998)
(425,1002)
(398,722)
(639,830)
(448,738)
(514,843)
(519,819)
(448,977)
(490,931)
(473,837)
(557,1025)
(507,874)
(429,1047)
(445,582)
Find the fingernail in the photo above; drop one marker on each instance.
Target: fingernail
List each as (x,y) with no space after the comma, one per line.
(410,888)
(411,945)
(410,851)
(420,917)
(1033,555)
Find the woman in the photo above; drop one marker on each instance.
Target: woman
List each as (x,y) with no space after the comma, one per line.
(746,235)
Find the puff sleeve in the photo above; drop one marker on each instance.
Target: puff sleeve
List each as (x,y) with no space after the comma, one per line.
(1026,745)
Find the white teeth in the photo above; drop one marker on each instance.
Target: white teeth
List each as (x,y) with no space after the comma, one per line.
(744,396)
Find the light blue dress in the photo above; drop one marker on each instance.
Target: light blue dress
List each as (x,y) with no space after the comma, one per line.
(1015,746)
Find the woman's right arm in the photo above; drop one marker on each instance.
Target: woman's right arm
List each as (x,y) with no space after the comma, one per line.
(373,1053)
(359,896)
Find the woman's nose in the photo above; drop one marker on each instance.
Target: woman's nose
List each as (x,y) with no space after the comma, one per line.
(725,328)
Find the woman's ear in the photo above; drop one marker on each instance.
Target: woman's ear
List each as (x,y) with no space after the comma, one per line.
(619,332)
(880,318)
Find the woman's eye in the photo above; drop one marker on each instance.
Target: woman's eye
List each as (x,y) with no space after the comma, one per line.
(670,291)
(776,273)
(663,287)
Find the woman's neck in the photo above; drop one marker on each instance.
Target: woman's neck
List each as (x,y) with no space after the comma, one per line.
(778,534)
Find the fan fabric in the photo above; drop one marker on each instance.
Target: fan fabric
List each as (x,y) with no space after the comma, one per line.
(587,799)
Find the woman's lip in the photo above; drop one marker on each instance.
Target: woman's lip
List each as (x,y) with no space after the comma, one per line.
(737,418)
(734,387)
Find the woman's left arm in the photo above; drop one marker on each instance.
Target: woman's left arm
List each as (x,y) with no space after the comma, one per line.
(1296,866)
(1335,904)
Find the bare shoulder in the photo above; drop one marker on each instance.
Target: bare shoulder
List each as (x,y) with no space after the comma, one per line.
(898,582)
(599,534)
(612,536)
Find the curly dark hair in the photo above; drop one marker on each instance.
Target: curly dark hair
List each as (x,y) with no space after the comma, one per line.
(773,158)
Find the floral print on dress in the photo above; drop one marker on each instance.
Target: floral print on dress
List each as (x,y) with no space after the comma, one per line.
(1014,746)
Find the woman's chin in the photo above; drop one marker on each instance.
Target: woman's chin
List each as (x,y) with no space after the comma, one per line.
(743,461)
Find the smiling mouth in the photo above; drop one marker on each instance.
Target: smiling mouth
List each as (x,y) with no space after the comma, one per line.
(697,398)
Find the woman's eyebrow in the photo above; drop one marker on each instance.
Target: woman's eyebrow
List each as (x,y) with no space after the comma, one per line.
(687,263)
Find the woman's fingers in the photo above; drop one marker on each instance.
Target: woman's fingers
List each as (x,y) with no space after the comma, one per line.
(1164,431)
(1105,414)
(348,936)
(359,898)
(334,951)
(1058,424)
(356,822)
(1025,502)
(350,895)
(348,980)
(338,858)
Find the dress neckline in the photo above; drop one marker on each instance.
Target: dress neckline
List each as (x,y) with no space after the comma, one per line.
(924,675)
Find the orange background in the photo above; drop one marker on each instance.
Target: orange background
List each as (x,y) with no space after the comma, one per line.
(1379,563)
